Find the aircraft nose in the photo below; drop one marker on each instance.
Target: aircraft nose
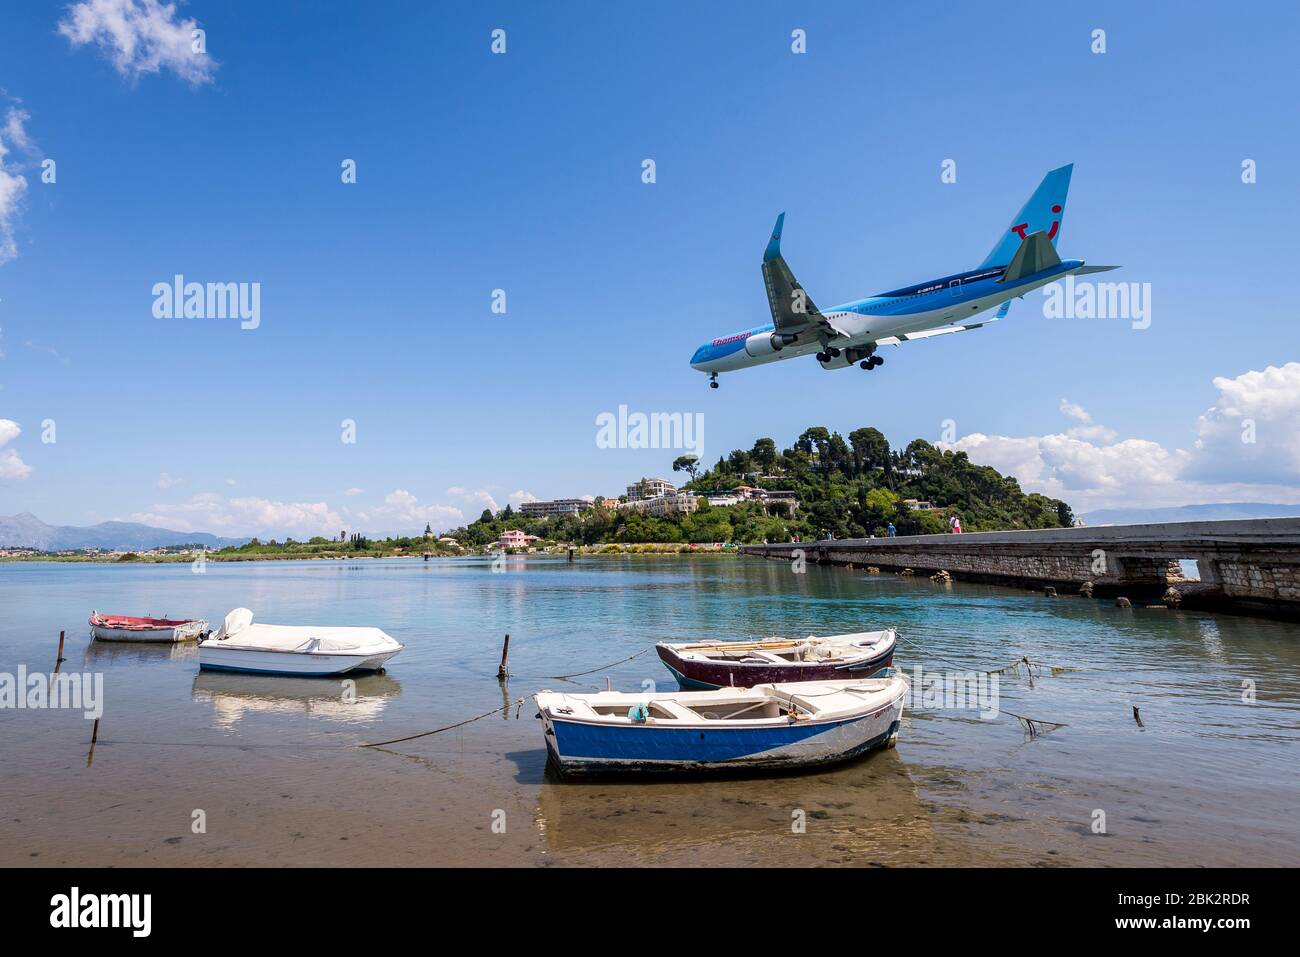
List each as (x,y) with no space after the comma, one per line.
(701,355)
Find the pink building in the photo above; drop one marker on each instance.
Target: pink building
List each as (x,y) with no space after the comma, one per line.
(514,538)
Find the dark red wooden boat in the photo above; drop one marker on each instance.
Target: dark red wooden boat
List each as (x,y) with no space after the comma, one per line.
(130,628)
(743,664)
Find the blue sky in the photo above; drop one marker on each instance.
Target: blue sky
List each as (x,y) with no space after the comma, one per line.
(522,172)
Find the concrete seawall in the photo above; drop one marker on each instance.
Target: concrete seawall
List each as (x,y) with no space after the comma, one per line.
(1250,565)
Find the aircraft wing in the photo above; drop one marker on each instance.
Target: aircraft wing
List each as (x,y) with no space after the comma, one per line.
(793,311)
(931,333)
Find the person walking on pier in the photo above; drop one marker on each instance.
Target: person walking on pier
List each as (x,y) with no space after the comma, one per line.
(893,532)
(954,524)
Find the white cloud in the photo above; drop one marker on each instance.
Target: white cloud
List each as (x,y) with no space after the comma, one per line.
(13,185)
(479,497)
(403,514)
(1075,411)
(1087,467)
(11,464)
(166,481)
(15,130)
(1089,431)
(138,37)
(353,491)
(1250,434)
(211,512)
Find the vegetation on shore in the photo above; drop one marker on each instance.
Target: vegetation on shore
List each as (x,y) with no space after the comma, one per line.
(846,488)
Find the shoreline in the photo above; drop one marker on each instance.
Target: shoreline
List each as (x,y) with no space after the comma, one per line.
(614,549)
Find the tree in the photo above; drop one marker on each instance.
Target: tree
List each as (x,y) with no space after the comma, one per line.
(870,449)
(740,462)
(687,463)
(486,516)
(837,453)
(878,507)
(764,454)
(817,441)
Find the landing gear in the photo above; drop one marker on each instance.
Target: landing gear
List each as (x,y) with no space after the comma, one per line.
(828,353)
(871,362)
(713,380)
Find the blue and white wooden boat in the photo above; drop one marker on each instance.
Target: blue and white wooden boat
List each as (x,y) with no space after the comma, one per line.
(768,727)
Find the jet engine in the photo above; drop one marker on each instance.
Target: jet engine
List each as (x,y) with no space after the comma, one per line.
(767,343)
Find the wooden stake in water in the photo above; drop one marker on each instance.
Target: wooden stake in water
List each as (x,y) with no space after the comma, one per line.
(94,736)
(60,659)
(503,673)
(1137,717)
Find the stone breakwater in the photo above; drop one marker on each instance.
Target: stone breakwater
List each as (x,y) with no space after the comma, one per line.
(1250,565)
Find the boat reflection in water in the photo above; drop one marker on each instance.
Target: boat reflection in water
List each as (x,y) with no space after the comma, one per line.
(110,653)
(234,696)
(866,812)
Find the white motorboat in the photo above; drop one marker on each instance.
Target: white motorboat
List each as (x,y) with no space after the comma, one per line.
(764,728)
(240,645)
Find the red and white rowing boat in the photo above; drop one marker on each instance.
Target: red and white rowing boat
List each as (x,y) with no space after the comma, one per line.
(126,628)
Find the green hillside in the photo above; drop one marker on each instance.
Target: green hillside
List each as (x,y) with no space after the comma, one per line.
(846,487)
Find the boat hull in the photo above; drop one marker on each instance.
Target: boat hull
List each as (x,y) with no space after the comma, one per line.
(161,634)
(707,675)
(253,661)
(576,748)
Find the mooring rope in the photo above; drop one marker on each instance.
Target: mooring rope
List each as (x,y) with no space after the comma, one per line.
(582,673)
(1032,725)
(424,734)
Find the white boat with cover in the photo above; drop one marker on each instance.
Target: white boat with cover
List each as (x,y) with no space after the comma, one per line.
(240,645)
(766,727)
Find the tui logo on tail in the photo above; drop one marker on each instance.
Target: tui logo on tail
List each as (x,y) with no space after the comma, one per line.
(1023,228)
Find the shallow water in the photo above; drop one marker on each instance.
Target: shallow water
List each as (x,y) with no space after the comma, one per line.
(270,764)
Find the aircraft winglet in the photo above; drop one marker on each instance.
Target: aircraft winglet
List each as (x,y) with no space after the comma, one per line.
(1084,270)
(773,250)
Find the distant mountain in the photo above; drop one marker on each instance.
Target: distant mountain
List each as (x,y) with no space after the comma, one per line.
(1188,513)
(28,531)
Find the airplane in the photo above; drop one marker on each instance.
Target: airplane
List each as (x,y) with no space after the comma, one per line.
(1023,259)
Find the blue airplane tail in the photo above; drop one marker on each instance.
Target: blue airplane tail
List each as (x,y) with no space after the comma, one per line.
(1045,211)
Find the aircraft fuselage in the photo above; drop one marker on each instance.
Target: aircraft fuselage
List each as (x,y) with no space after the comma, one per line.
(930,305)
